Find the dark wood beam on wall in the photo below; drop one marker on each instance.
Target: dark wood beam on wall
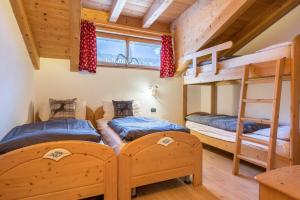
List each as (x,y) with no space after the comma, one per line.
(24,26)
(75,18)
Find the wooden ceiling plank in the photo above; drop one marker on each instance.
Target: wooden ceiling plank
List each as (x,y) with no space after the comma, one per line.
(155,11)
(273,14)
(75,18)
(116,10)
(227,17)
(20,14)
(100,18)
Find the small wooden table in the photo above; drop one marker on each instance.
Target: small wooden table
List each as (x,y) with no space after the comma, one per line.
(280,184)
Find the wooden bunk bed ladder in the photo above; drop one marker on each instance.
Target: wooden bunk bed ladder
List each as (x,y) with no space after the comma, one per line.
(271,144)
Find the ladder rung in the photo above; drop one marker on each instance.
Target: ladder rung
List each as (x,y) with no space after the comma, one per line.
(258,100)
(266,80)
(260,80)
(254,140)
(259,121)
(253,161)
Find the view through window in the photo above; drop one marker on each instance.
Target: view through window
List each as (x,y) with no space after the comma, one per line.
(120,52)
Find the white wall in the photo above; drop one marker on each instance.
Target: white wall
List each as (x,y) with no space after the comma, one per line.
(282,31)
(16,73)
(55,80)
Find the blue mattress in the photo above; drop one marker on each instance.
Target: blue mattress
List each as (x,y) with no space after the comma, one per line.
(53,130)
(131,128)
(224,122)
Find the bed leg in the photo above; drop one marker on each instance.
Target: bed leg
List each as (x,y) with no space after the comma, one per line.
(124,184)
(197,176)
(133,193)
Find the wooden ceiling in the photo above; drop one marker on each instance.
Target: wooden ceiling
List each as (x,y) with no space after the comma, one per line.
(249,24)
(51,28)
(239,26)
(50,25)
(139,8)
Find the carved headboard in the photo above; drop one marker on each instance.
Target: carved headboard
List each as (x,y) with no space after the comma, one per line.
(99,113)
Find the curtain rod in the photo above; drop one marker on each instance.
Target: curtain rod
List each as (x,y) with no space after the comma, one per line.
(131,29)
(116,32)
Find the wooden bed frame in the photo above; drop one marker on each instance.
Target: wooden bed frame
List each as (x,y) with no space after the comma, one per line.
(157,157)
(262,65)
(59,170)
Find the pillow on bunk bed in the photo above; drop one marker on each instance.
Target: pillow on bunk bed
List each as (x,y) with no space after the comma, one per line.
(109,113)
(283,132)
(279,45)
(44,110)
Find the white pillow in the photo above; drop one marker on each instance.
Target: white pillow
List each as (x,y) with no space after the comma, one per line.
(44,110)
(81,110)
(109,112)
(283,132)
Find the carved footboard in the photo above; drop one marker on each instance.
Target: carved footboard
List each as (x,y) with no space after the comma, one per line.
(59,170)
(158,157)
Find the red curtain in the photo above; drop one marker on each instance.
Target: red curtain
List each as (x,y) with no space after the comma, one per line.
(88,47)
(167,66)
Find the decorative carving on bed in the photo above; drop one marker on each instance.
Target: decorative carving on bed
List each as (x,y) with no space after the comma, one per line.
(165,141)
(99,113)
(89,115)
(57,154)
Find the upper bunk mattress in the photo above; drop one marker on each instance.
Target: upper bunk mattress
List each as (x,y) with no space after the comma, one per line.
(224,122)
(53,130)
(131,128)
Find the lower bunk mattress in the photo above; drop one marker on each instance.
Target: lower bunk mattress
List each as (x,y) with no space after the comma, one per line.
(282,145)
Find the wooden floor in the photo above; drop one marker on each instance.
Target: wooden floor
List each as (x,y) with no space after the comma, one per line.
(219,183)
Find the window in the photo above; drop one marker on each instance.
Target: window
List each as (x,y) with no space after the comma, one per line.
(108,49)
(126,52)
(145,54)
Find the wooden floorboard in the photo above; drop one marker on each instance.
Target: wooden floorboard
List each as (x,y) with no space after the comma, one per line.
(218,181)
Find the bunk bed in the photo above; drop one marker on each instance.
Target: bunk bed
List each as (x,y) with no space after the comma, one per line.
(274,64)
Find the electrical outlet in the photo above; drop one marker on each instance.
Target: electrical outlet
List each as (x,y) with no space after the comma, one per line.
(153,110)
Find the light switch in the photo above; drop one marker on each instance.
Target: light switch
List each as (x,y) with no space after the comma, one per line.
(153,110)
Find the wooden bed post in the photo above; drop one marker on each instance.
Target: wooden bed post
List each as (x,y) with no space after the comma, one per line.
(214,99)
(184,102)
(295,84)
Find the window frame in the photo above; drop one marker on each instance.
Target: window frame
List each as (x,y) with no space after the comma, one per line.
(127,39)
